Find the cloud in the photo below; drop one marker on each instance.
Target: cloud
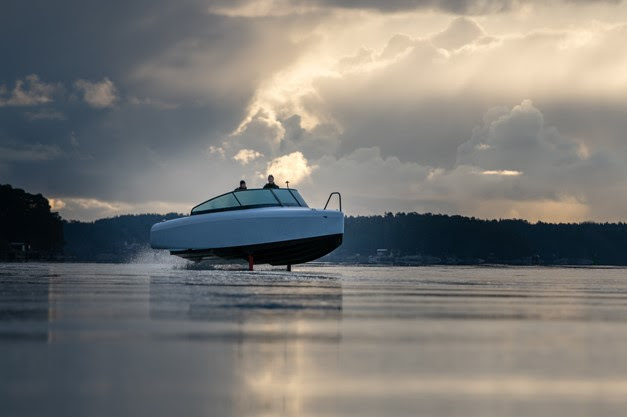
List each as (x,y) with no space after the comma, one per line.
(369,182)
(214,61)
(503,172)
(217,150)
(261,8)
(410,107)
(517,139)
(462,31)
(276,8)
(453,6)
(258,8)
(30,91)
(99,95)
(90,209)
(293,168)
(261,130)
(531,165)
(244,156)
(526,170)
(56,204)
(417,98)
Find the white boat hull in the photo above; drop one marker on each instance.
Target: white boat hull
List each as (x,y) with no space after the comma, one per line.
(275,235)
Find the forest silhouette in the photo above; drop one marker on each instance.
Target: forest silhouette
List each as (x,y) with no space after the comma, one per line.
(28,229)
(26,221)
(443,239)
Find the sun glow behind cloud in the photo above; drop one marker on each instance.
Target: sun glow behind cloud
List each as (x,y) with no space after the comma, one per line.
(283,95)
(476,62)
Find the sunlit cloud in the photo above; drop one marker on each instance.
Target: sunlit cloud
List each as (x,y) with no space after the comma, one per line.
(564,209)
(583,151)
(90,209)
(218,150)
(98,94)
(56,204)
(92,203)
(262,8)
(30,91)
(462,59)
(461,32)
(262,127)
(504,173)
(244,156)
(293,168)
(265,8)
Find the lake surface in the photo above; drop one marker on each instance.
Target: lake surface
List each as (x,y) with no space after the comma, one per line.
(169,340)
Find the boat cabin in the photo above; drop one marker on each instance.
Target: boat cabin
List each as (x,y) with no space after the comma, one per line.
(253,198)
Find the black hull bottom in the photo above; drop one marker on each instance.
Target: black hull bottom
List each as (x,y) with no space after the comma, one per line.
(288,252)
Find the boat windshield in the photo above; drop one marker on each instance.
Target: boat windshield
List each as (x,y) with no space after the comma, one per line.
(288,197)
(254,198)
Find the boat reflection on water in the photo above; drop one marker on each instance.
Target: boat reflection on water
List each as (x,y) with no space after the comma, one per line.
(237,296)
(267,327)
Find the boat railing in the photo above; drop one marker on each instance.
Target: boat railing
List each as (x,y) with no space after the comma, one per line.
(339,197)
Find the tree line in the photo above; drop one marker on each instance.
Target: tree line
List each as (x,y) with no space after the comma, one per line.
(439,238)
(28,229)
(116,239)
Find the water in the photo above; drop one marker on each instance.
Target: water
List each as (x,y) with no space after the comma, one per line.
(164,340)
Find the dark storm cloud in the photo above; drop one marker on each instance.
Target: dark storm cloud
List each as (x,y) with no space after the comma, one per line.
(602,119)
(72,39)
(419,132)
(91,39)
(98,98)
(104,155)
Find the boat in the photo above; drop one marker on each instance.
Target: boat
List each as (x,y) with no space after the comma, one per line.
(261,226)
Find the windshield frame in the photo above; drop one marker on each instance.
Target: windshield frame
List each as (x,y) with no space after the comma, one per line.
(297,197)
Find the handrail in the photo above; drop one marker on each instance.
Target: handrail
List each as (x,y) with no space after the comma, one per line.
(339,196)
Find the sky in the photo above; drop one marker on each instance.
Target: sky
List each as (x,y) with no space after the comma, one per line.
(484,108)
